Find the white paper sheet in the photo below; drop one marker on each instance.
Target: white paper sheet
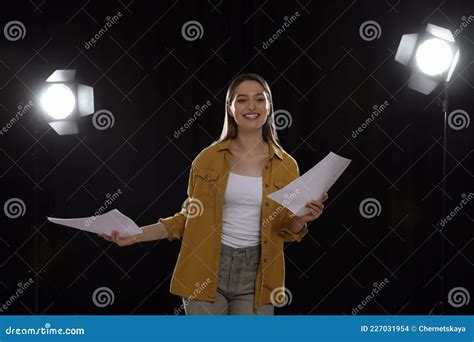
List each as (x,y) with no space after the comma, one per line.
(312,185)
(102,224)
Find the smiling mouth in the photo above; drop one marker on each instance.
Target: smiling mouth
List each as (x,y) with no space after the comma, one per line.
(251,116)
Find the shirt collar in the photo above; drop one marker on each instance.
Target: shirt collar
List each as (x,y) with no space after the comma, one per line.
(274,150)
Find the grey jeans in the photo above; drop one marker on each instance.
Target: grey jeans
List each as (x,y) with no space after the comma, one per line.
(236,286)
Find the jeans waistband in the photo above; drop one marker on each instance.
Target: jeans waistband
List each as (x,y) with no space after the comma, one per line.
(245,251)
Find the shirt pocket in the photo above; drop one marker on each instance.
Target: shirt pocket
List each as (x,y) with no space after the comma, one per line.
(279,183)
(205,185)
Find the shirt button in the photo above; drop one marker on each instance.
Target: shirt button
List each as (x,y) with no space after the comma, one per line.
(266,185)
(265,241)
(266,204)
(266,167)
(264,259)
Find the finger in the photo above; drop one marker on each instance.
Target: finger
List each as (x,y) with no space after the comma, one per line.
(317,204)
(315,210)
(325,197)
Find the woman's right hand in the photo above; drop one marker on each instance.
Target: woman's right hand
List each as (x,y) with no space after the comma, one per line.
(120,241)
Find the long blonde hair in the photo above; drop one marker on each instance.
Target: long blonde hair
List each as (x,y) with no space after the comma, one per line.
(229,130)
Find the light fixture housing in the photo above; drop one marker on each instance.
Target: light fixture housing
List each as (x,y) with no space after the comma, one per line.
(64,101)
(431,55)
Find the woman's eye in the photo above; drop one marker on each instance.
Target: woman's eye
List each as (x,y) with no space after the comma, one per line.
(240,101)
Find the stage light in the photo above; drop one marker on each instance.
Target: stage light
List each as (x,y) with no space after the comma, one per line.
(434,57)
(58,101)
(64,101)
(431,55)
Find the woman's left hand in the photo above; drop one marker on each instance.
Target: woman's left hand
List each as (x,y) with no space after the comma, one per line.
(316,208)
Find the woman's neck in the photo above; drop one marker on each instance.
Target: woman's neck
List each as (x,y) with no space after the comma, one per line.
(250,141)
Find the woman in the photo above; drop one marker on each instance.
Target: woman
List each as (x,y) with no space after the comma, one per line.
(231,260)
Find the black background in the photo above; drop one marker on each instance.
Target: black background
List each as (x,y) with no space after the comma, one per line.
(320,70)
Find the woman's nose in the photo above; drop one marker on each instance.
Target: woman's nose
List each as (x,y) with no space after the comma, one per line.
(252,105)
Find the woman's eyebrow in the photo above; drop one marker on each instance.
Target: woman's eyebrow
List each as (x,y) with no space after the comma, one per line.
(258,94)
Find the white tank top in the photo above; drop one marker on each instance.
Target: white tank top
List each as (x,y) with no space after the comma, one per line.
(242,211)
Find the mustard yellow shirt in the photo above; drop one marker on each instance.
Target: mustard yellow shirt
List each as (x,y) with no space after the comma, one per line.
(199,225)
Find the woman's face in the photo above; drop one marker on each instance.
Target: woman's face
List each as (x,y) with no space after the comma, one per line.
(250,105)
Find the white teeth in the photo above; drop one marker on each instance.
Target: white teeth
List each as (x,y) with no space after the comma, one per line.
(251,116)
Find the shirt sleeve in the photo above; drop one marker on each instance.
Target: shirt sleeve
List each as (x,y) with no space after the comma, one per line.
(285,232)
(175,224)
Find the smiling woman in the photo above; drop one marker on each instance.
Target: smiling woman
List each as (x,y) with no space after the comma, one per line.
(232,233)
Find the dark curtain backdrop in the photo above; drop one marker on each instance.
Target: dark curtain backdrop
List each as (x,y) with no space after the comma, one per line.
(326,80)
